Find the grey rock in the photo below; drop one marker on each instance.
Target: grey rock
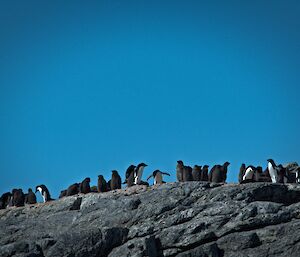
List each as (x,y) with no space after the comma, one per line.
(173,219)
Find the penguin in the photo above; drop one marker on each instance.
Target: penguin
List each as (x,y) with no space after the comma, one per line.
(242,172)
(197,173)
(204,173)
(139,172)
(18,198)
(179,171)
(249,175)
(115,182)
(108,185)
(44,192)
(4,200)
(187,173)
(102,184)
(73,189)
(30,198)
(258,175)
(158,176)
(63,193)
(11,200)
(129,176)
(298,175)
(218,173)
(273,171)
(282,176)
(85,186)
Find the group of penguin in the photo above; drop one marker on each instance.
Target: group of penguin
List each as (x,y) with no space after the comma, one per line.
(289,173)
(133,176)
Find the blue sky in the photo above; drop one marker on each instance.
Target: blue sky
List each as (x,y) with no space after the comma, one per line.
(91,86)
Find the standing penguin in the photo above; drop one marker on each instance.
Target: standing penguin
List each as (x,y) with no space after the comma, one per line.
(273,171)
(249,175)
(4,200)
(282,176)
(187,173)
(115,182)
(85,186)
(158,176)
(204,173)
(18,198)
(129,176)
(197,173)
(44,192)
(102,184)
(30,197)
(218,173)
(139,172)
(73,189)
(179,171)
(242,172)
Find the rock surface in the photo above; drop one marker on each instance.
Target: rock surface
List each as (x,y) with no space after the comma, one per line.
(174,219)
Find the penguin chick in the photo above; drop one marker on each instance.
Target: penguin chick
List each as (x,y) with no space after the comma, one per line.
(85,186)
(115,182)
(179,171)
(197,173)
(102,184)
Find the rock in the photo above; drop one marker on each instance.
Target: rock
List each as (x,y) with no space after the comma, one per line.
(173,219)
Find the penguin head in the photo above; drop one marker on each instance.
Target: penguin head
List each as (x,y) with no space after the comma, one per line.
(131,168)
(87,179)
(197,167)
(272,162)
(142,165)
(100,176)
(29,190)
(38,188)
(114,172)
(155,172)
(243,166)
(180,162)
(259,169)
(205,166)
(226,164)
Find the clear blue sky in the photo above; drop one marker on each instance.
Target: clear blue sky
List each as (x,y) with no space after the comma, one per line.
(91,86)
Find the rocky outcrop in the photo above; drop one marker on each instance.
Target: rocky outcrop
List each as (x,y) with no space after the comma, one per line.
(174,219)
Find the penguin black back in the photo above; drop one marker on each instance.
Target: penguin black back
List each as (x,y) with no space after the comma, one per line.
(129,175)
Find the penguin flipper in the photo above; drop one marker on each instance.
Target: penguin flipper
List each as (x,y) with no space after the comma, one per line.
(149,177)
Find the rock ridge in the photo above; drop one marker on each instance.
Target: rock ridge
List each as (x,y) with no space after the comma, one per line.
(173,219)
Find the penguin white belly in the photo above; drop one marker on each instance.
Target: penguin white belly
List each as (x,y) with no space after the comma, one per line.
(138,177)
(44,197)
(248,174)
(273,173)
